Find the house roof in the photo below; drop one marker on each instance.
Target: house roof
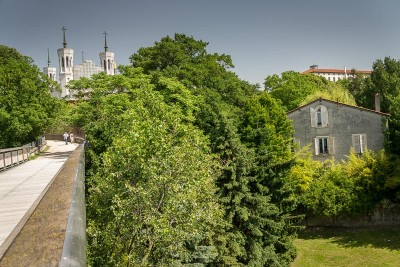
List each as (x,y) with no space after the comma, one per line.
(339,71)
(339,103)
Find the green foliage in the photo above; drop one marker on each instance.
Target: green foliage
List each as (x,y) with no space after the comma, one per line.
(267,132)
(305,170)
(384,80)
(176,93)
(62,121)
(353,186)
(331,193)
(186,59)
(253,144)
(151,186)
(250,133)
(26,105)
(356,86)
(9,54)
(162,190)
(294,89)
(335,92)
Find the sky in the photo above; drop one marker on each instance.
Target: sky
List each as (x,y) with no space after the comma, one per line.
(263,37)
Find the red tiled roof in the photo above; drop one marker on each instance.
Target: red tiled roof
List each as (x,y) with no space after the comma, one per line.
(340,71)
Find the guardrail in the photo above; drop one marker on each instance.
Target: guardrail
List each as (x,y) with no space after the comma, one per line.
(10,157)
(74,248)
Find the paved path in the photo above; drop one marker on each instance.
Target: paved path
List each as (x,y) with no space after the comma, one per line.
(21,186)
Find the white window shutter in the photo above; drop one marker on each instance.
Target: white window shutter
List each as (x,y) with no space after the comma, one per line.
(363,143)
(331,145)
(324,115)
(356,143)
(313,117)
(316,146)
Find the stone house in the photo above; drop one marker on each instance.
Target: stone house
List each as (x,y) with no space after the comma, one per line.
(333,128)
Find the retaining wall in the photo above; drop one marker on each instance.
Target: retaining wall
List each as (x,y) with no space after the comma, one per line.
(377,217)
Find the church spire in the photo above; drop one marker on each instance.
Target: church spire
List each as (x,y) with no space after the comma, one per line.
(48,57)
(64,40)
(105,41)
(66,62)
(107,58)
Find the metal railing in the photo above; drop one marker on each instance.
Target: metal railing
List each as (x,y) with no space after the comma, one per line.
(10,157)
(74,248)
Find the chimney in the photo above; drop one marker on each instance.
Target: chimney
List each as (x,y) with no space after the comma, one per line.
(377,102)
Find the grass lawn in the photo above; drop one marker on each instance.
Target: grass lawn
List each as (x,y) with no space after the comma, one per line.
(339,247)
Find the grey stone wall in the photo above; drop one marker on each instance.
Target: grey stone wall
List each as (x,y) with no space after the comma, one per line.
(343,122)
(376,217)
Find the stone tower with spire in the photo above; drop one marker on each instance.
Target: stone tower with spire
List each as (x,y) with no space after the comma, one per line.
(49,71)
(107,58)
(66,63)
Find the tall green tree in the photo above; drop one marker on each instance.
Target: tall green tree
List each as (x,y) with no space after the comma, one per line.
(291,88)
(151,183)
(356,86)
(26,104)
(252,186)
(187,59)
(294,89)
(385,81)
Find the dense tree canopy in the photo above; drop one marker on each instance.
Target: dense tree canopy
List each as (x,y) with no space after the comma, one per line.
(151,186)
(251,134)
(294,89)
(191,168)
(26,104)
(355,186)
(187,60)
(195,167)
(385,81)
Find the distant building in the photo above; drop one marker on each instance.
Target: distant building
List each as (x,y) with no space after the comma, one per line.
(333,128)
(86,69)
(68,71)
(335,74)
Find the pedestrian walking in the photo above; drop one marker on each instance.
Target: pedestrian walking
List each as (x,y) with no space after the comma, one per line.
(65,135)
(72,138)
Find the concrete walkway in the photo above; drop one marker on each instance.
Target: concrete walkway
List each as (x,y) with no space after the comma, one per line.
(22,187)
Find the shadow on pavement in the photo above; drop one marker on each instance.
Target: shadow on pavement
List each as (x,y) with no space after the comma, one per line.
(57,155)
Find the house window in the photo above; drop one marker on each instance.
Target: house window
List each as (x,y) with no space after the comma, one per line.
(359,143)
(319,116)
(323,145)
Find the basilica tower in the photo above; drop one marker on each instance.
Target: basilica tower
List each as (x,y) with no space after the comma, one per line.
(107,58)
(49,71)
(66,62)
